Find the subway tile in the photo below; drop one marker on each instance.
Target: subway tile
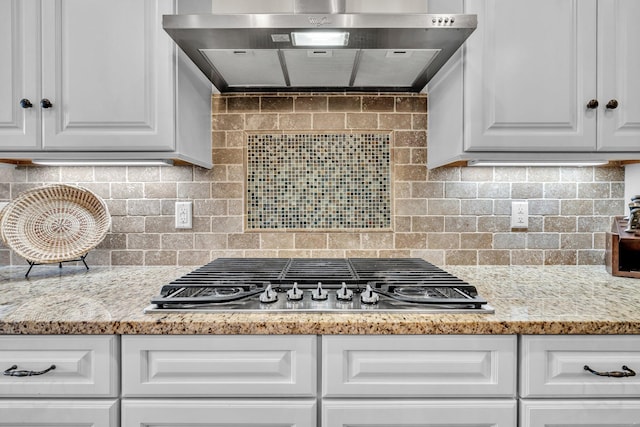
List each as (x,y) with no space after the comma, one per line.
(226,156)
(227,122)
(218,104)
(178,173)
(410,138)
(378,103)
(428,224)
(594,224)
(396,121)
(576,207)
(142,241)
(362,121)
(116,241)
(576,174)
(102,189)
(476,174)
(177,241)
(609,174)
(310,240)
(560,224)
(494,257)
(600,190)
(296,121)
(461,257)
(609,207)
(42,174)
(509,174)
(345,103)
(244,241)
(560,190)
(560,257)
(402,156)
(402,224)
(235,139)
(261,121)
(160,190)
(494,190)
(418,121)
(76,174)
(510,240)
(543,240)
(444,174)
(127,224)
(411,240)
(344,241)
(131,190)
(210,241)
(494,224)
(276,240)
(227,224)
(143,174)
(377,240)
(527,257)
(127,257)
(143,207)
(310,103)
(243,104)
(411,207)
(194,190)
(410,172)
(461,190)
(427,190)
(543,174)
(544,207)
(459,224)
(521,190)
(576,241)
(591,257)
(444,241)
(476,240)
(196,258)
(435,256)
(159,224)
(160,257)
(443,207)
(419,156)
(477,207)
(414,104)
(276,104)
(117,207)
(402,190)
(329,121)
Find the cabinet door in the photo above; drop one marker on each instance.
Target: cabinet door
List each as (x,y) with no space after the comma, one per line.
(218,412)
(419,366)
(423,413)
(59,413)
(19,71)
(573,413)
(619,67)
(85,365)
(107,68)
(530,70)
(225,366)
(553,366)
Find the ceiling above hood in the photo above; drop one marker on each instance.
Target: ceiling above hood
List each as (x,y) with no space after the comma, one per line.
(247,52)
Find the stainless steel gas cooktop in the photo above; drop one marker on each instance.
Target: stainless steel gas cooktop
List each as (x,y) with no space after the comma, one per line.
(319,285)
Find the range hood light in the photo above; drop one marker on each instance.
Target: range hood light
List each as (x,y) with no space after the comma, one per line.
(550,163)
(320,38)
(73,162)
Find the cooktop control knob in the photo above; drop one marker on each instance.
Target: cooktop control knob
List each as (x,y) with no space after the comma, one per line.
(319,294)
(295,294)
(344,294)
(369,297)
(269,295)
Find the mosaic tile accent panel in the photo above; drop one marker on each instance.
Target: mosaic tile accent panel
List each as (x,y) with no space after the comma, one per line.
(318,181)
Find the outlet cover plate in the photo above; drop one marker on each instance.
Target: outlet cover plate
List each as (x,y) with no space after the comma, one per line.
(519,214)
(184,214)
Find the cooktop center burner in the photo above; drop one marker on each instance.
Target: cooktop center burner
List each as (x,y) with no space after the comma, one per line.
(319,285)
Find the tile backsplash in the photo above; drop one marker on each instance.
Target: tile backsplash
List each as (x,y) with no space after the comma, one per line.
(447,215)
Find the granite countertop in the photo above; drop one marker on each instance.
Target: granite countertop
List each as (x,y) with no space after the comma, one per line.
(527,300)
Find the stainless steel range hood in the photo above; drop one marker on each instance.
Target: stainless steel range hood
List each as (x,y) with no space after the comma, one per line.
(246,52)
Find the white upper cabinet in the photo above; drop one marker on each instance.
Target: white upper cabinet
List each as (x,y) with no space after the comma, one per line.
(618,70)
(103,80)
(540,80)
(18,78)
(106,69)
(530,73)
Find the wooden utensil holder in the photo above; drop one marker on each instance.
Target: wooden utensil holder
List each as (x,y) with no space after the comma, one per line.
(622,256)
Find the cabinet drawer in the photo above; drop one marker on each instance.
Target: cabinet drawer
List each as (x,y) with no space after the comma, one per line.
(412,413)
(573,413)
(406,366)
(59,413)
(219,412)
(230,366)
(554,366)
(85,366)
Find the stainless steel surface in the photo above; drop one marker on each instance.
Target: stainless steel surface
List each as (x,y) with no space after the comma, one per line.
(318,285)
(255,52)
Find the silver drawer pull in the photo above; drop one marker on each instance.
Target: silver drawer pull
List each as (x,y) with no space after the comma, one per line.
(13,373)
(616,374)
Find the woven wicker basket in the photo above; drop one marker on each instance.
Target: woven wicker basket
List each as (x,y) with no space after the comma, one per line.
(54,223)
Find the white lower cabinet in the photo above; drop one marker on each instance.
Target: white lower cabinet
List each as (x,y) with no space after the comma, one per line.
(248,381)
(578,413)
(571,381)
(53,380)
(59,413)
(219,412)
(418,380)
(423,413)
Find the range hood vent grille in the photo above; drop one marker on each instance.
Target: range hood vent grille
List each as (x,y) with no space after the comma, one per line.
(257,52)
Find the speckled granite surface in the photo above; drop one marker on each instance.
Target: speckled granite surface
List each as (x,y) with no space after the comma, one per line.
(527,300)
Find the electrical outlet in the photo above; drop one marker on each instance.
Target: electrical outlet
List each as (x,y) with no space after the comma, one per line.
(184,214)
(520,214)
